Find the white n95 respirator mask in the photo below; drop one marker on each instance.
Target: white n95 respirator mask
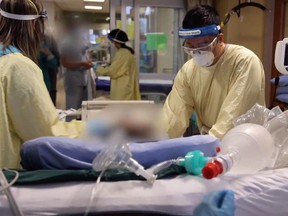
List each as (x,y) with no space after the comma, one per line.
(203,58)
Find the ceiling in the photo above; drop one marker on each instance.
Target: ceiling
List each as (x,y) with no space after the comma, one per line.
(78,5)
(75,8)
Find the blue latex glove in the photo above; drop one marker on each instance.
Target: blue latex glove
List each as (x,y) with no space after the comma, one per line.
(218,203)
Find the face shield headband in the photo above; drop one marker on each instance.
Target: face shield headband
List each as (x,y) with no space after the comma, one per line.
(115,40)
(199,32)
(42,14)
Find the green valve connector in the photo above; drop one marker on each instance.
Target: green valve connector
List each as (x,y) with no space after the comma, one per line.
(194,162)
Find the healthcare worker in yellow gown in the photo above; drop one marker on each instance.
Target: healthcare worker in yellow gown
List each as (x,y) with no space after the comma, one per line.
(123,70)
(220,82)
(26,109)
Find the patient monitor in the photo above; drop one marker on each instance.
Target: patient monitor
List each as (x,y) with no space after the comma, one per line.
(281,56)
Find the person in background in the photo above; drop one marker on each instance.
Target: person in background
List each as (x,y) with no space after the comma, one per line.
(50,49)
(220,82)
(26,110)
(76,61)
(48,61)
(123,70)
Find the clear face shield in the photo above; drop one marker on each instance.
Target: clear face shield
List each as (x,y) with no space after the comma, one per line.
(199,50)
(41,14)
(202,55)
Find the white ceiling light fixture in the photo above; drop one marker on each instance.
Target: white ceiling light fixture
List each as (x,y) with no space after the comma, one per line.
(128,10)
(148,11)
(90,7)
(104,32)
(93,0)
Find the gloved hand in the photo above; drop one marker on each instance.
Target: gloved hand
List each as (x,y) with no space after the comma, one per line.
(99,64)
(218,203)
(95,66)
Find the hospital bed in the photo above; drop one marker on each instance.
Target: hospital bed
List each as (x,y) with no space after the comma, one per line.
(149,83)
(90,109)
(146,85)
(264,193)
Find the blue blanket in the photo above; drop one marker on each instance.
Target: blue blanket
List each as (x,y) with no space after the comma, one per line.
(65,153)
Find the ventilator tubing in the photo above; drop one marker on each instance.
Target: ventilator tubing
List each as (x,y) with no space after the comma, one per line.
(135,167)
(246,148)
(16,211)
(118,155)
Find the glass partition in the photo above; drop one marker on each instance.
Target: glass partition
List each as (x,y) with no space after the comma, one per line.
(152,28)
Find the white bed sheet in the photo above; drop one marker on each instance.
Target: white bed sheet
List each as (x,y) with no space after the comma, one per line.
(264,193)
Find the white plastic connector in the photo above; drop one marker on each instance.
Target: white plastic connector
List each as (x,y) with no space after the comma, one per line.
(135,167)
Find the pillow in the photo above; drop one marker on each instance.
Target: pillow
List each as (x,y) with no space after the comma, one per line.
(283,80)
(66,153)
(282,90)
(282,97)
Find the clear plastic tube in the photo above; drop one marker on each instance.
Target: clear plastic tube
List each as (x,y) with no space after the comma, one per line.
(117,154)
(6,189)
(163,165)
(193,162)
(114,155)
(93,194)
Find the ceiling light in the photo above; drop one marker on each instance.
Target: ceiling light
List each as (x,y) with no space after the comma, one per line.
(104,32)
(128,10)
(148,11)
(89,7)
(93,0)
